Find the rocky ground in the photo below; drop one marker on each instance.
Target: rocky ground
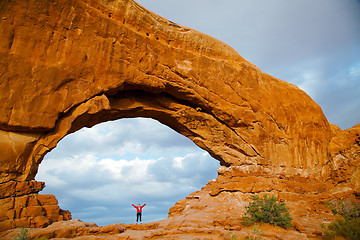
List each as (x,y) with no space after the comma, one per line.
(76,229)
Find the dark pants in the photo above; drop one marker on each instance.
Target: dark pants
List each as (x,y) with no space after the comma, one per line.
(138,215)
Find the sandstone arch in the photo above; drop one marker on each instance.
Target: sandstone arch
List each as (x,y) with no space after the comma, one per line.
(69,52)
(66,64)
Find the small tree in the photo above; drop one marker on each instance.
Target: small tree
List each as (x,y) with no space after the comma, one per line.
(348,225)
(267,210)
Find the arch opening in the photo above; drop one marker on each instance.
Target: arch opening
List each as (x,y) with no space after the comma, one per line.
(194,122)
(97,172)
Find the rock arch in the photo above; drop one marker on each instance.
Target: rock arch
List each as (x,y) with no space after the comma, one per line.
(67,64)
(64,55)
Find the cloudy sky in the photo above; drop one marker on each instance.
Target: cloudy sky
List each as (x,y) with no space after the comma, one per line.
(97,173)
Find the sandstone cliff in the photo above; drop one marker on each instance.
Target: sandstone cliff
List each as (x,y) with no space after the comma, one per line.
(67,64)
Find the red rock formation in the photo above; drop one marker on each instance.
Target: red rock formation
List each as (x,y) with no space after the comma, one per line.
(344,151)
(67,64)
(24,207)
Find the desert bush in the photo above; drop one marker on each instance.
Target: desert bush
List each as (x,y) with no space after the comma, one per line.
(233,236)
(255,235)
(267,210)
(348,209)
(348,223)
(23,234)
(341,227)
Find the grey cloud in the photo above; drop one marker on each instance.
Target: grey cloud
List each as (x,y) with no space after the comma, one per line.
(134,137)
(84,183)
(190,168)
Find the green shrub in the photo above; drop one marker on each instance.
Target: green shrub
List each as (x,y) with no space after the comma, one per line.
(267,210)
(23,234)
(348,209)
(341,227)
(233,236)
(256,235)
(348,225)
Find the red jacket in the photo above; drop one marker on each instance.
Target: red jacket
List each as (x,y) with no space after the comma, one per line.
(139,209)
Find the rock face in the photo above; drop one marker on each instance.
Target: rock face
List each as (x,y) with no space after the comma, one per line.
(68,64)
(24,207)
(344,150)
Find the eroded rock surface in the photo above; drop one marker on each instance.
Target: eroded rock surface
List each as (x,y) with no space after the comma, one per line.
(68,64)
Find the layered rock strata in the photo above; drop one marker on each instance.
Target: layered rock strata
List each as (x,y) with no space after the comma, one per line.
(68,64)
